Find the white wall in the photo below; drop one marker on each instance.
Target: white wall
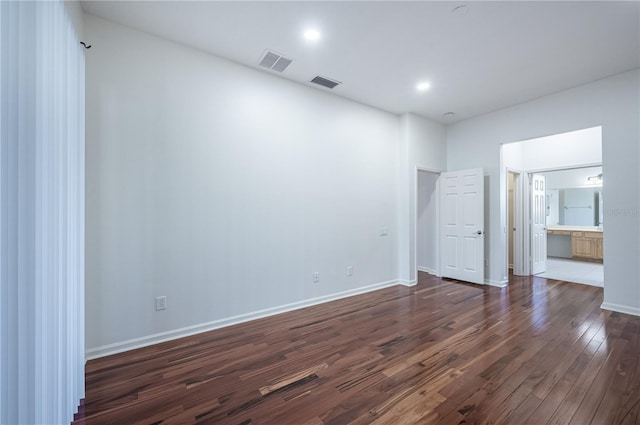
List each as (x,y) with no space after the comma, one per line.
(223,188)
(612,103)
(422,146)
(559,246)
(576,177)
(564,150)
(426,229)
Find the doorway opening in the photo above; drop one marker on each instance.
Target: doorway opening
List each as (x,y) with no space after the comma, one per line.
(511,226)
(517,204)
(427,221)
(449,223)
(575,225)
(553,204)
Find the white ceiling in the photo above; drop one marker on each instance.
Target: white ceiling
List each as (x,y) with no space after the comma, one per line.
(496,55)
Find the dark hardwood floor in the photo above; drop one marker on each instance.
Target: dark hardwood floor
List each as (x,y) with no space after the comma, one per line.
(538,352)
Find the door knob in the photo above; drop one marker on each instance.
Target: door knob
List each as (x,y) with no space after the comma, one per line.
(478,232)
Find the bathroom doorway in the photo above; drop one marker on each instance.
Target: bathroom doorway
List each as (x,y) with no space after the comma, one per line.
(574,251)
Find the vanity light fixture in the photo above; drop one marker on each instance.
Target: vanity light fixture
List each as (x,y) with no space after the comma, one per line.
(595,180)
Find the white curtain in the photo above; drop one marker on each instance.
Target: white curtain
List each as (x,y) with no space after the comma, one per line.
(41,214)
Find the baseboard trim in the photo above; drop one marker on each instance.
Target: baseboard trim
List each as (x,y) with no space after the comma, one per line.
(408,282)
(132,344)
(497,283)
(635,311)
(428,270)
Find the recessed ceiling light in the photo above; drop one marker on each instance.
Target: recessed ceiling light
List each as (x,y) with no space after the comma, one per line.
(448,114)
(423,86)
(312,34)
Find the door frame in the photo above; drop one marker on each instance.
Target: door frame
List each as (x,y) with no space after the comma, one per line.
(520,205)
(415,216)
(522,238)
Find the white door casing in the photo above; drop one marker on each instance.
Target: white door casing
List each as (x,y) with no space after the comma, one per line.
(538,224)
(462,225)
(521,235)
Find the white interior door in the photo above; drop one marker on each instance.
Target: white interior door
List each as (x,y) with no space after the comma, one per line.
(538,225)
(462,225)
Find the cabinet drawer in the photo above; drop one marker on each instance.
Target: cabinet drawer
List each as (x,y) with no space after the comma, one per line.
(596,235)
(577,234)
(559,232)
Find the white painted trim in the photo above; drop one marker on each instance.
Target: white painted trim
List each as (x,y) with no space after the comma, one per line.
(572,167)
(518,215)
(408,282)
(428,170)
(520,223)
(523,238)
(428,270)
(132,344)
(635,311)
(497,283)
(436,271)
(416,179)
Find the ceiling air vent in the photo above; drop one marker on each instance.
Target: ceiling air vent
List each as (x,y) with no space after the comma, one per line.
(275,61)
(325,82)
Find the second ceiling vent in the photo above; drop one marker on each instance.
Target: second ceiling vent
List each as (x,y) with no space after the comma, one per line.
(325,82)
(275,61)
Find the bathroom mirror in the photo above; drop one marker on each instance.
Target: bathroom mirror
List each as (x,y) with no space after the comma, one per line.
(574,197)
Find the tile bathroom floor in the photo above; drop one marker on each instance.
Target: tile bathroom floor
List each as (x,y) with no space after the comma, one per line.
(574,271)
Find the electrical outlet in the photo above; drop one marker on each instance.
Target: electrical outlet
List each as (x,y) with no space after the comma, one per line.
(161,303)
(349,270)
(384,230)
(316,277)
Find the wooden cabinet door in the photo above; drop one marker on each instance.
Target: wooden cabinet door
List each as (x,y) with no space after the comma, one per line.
(599,255)
(583,247)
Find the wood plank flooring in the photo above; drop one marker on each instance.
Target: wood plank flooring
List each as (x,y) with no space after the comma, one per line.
(444,352)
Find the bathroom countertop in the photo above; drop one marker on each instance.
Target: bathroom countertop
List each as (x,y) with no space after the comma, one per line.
(575,228)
